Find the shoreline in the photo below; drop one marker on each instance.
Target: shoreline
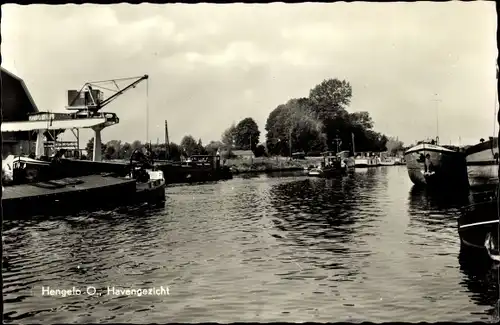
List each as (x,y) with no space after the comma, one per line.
(268,171)
(265,165)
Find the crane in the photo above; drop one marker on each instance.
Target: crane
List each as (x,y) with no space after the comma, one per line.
(93,100)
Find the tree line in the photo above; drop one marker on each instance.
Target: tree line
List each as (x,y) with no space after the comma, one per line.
(310,124)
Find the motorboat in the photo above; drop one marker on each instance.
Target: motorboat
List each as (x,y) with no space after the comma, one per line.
(387,161)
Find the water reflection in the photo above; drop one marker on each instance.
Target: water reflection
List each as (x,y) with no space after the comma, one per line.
(93,249)
(316,219)
(423,201)
(481,279)
(266,248)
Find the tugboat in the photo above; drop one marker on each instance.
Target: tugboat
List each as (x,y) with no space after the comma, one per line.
(150,182)
(334,164)
(432,165)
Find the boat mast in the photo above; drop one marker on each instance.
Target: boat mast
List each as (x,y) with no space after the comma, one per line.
(337,141)
(147,113)
(437,100)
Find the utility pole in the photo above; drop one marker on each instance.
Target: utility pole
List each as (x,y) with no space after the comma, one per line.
(167,142)
(290,144)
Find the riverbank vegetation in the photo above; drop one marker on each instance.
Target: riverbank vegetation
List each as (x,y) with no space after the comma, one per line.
(310,124)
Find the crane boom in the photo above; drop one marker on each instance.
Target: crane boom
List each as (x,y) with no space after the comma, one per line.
(97,103)
(113,97)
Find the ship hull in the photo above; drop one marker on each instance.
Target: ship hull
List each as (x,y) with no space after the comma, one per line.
(449,167)
(477,222)
(485,153)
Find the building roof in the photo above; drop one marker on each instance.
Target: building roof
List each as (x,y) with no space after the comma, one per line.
(243,152)
(21,81)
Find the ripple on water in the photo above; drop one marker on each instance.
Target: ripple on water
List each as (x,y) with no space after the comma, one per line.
(361,247)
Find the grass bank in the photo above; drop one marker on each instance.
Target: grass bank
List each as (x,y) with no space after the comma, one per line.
(268,165)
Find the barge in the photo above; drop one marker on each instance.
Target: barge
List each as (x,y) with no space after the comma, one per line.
(483,153)
(34,191)
(432,165)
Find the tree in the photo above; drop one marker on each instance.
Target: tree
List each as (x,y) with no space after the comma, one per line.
(314,123)
(200,150)
(394,145)
(329,98)
(110,153)
(125,151)
(260,151)
(136,145)
(293,125)
(213,146)
(90,148)
(189,146)
(361,120)
(247,134)
(228,136)
(175,151)
(113,149)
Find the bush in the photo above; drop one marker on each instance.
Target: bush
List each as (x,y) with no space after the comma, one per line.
(260,151)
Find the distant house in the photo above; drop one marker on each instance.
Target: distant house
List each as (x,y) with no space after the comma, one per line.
(241,154)
(299,155)
(245,154)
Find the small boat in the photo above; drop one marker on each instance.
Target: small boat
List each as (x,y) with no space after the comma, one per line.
(388,161)
(399,161)
(429,164)
(366,161)
(150,182)
(316,171)
(332,165)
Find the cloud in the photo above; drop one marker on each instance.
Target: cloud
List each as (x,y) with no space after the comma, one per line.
(210,65)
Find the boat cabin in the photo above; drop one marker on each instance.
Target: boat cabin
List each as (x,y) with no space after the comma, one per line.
(203,161)
(299,155)
(330,158)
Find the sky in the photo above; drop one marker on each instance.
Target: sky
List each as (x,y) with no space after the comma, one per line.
(420,69)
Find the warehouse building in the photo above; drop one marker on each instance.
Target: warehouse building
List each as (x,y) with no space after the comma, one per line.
(17,105)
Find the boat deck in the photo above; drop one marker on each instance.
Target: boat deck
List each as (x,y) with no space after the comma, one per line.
(43,188)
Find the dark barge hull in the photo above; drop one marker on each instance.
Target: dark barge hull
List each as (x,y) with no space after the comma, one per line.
(450,168)
(476,222)
(190,174)
(173,173)
(333,172)
(89,192)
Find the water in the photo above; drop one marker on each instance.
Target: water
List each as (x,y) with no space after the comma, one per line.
(364,247)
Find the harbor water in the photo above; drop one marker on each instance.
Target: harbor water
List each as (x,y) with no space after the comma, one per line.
(265,248)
